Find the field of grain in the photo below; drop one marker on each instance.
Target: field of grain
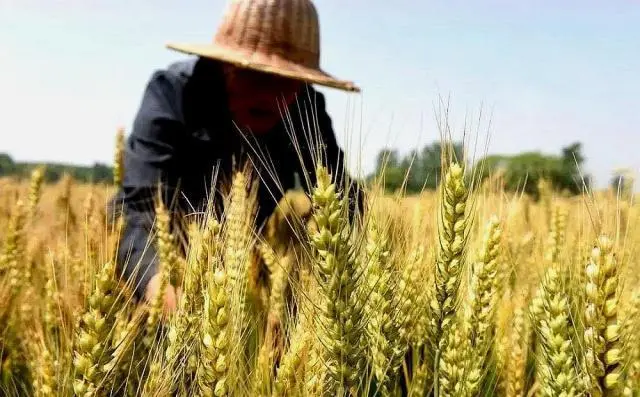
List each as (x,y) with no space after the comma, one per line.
(465,291)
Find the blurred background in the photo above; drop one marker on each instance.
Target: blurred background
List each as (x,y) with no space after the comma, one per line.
(534,81)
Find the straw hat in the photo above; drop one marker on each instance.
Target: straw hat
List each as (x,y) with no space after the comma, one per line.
(274,36)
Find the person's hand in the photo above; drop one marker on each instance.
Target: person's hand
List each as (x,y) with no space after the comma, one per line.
(171,296)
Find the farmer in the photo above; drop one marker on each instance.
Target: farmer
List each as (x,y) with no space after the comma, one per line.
(199,117)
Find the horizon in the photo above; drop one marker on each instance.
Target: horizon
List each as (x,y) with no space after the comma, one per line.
(545,75)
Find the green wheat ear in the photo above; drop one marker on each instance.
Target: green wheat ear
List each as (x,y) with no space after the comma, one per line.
(386,329)
(483,304)
(118,160)
(450,262)
(35,190)
(340,323)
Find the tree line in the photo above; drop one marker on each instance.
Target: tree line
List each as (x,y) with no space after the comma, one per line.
(414,172)
(421,169)
(96,173)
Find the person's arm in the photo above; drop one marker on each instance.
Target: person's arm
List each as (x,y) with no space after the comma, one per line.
(149,160)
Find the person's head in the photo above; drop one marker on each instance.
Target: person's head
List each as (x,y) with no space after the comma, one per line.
(276,45)
(257,100)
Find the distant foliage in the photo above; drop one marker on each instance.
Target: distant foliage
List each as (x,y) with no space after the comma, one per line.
(421,170)
(524,171)
(623,182)
(97,173)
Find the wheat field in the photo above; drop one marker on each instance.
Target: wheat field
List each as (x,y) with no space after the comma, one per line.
(465,291)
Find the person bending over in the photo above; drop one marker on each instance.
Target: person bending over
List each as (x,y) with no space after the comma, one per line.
(200,116)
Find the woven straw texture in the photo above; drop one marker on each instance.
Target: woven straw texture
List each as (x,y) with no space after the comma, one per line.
(273,36)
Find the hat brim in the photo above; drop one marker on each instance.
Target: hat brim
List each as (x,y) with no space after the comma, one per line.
(264,63)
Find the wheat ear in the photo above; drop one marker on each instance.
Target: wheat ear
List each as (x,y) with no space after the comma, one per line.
(340,325)
(92,343)
(452,231)
(484,298)
(118,160)
(601,335)
(550,312)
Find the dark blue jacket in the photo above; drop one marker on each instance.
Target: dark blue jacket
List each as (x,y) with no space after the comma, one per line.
(183,137)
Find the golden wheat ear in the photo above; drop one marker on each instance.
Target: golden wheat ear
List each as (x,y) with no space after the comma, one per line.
(92,342)
(556,362)
(603,354)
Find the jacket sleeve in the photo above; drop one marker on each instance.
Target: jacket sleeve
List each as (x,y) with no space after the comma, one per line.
(334,158)
(150,162)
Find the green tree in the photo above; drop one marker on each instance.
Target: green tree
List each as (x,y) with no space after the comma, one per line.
(523,171)
(572,161)
(623,182)
(388,170)
(97,173)
(420,168)
(7,166)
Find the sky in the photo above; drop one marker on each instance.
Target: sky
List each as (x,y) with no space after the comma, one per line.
(517,76)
